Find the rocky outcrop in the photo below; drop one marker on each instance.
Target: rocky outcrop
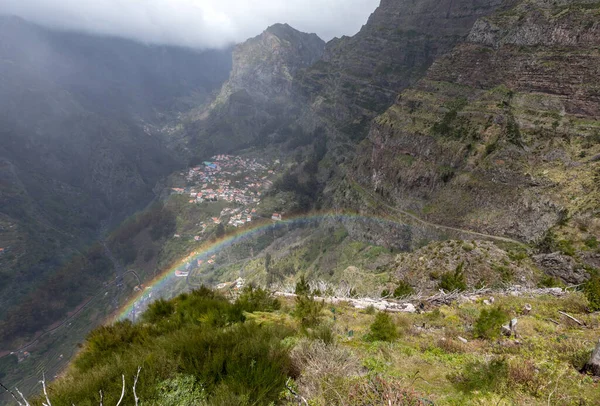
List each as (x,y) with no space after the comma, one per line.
(495,137)
(264,66)
(257,101)
(360,76)
(562,267)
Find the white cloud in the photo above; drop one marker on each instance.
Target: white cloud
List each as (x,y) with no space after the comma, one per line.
(196,23)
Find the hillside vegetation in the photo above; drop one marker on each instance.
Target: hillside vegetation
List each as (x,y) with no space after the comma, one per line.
(202,349)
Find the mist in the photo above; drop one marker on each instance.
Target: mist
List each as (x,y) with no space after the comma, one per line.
(193,23)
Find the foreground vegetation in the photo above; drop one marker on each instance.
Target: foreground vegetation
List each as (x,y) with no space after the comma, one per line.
(203,349)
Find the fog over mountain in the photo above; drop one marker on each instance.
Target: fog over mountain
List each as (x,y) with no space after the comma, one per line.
(194,23)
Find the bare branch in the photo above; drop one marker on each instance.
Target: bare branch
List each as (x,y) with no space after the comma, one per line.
(45,391)
(294,393)
(101,398)
(122,392)
(22,397)
(11,393)
(135,384)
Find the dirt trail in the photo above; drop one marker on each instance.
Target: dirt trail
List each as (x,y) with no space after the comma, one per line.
(419,220)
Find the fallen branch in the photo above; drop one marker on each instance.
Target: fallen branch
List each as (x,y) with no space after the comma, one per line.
(571,317)
(553,321)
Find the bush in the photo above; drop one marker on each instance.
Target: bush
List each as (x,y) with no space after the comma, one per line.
(158,310)
(302,287)
(591,242)
(482,376)
(403,290)
(383,328)
(308,311)
(376,390)
(548,281)
(201,352)
(592,292)
(257,299)
(489,323)
(322,367)
(451,281)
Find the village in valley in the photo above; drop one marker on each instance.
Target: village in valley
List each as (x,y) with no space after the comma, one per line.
(233,185)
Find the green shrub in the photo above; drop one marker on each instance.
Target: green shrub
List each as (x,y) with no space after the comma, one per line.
(200,352)
(451,281)
(566,247)
(323,333)
(257,299)
(489,322)
(482,376)
(302,287)
(592,292)
(109,340)
(382,328)
(591,242)
(403,290)
(182,390)
(507,274)
(548,281)
(158,310)
(308,311)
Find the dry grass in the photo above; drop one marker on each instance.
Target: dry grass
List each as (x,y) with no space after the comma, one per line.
(323,367)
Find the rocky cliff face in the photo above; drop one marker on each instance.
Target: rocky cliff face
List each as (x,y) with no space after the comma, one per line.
(264,66)
(360,76)
(502,134)
(257,99)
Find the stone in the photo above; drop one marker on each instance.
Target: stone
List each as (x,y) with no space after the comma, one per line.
(527,308)
(506,330)
(593,365)
(562,267)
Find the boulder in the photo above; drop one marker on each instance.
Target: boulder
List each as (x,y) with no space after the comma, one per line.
(562,267)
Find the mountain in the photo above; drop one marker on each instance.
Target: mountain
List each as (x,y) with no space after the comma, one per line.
(360,76)
(457,143)
(257,100)
(501,136)
(81,144)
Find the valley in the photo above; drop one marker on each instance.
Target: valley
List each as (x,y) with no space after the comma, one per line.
(439,169)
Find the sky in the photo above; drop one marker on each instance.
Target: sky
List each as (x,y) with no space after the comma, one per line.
(194,23)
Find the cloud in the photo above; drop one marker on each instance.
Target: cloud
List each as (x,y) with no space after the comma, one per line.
(195,23)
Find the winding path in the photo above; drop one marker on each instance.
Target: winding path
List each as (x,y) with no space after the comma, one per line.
(419,220)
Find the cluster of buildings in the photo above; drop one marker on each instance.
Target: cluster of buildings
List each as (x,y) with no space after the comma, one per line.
(237,216)
(227,177)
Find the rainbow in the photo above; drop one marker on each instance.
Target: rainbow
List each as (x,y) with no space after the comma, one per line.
(211,248)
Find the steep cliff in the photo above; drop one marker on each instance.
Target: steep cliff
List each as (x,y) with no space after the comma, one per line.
(257,100)
(359,77)
(502,135)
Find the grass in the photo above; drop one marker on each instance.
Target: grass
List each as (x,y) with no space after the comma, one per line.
(343,356)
